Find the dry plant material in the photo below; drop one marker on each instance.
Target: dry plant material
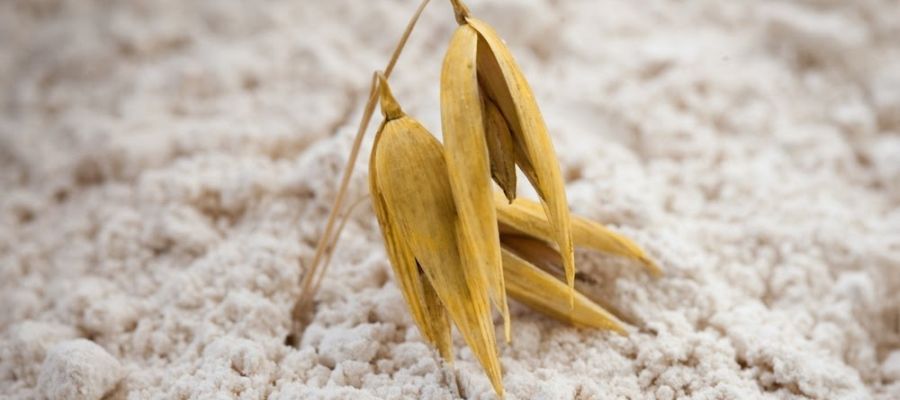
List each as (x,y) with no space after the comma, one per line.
(540,290)
(491,123)
(533,268)
(410,189)
(455,244)
(315,272)
(409,183)
(524,216)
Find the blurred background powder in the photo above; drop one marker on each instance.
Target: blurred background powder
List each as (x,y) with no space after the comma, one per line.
(164,164)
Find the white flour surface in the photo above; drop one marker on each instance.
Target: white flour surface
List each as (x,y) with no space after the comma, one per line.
(164,165)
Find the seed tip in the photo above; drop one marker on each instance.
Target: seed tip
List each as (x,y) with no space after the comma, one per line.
(461,11)
(655,270)
(389,106)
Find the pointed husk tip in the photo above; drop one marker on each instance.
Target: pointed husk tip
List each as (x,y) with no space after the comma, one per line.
(389,106)
(460,11)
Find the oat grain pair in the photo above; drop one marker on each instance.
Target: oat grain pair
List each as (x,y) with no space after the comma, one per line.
(456,245)
(410,186)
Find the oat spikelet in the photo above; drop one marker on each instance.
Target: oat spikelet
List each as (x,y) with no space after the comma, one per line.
(541,291)
(469,165)
(410,185)
(428,314)
(484,94)
(541,255)
(528,217)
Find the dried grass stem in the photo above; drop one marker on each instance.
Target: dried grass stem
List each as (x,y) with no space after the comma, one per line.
(307,286)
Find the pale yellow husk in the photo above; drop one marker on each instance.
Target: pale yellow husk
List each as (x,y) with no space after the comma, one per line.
(410,186)
(485,95)
(541,255)
(541,291)
(427,313)
(528,217)
(468,162)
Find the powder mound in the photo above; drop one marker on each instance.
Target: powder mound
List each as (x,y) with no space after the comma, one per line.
(891,366)
(27,346)
(166,173)
(231,367)
(78,370)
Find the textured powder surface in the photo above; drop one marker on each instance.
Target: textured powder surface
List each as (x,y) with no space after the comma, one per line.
(78,369)
(167,166)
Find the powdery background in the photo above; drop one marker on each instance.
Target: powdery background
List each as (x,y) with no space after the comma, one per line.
(164,164)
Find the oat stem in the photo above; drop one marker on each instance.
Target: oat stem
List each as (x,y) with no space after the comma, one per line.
(337,235)
(307,291)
